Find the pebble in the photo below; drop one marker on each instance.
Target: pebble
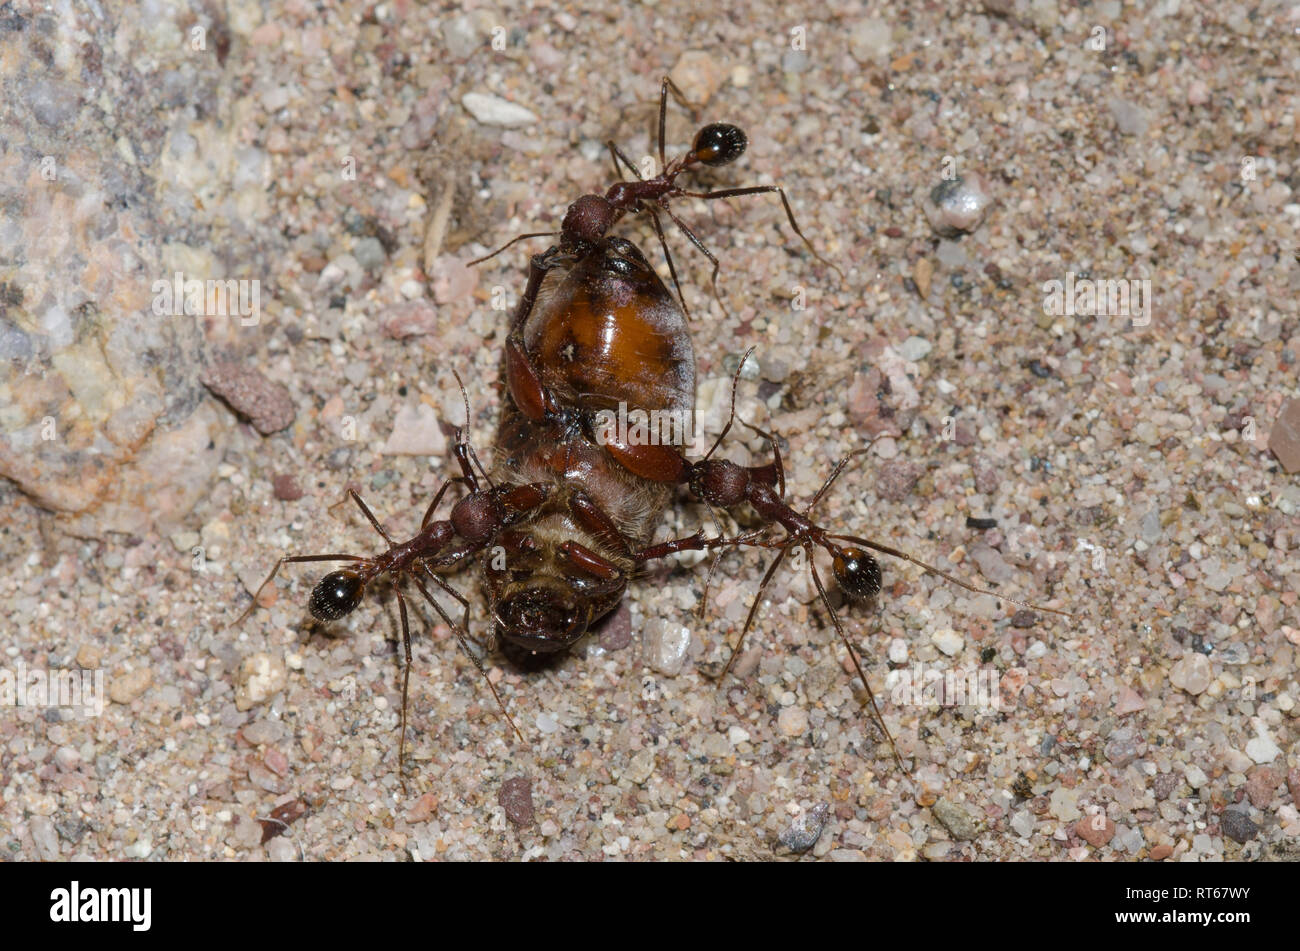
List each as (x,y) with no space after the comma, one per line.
(805,829)
(793,721)
(547,723)
(1262,749)
(285,487)
(991,564)
(1284,437)
(1261,783)
(493,110)
(1096,830)
(1191,673)
(1195,776)
(127,685)
(516,798)
(1122,746)
(898,651)
(416,432)
(412,318)
(896,479)
(267,405)
(1064,805)
(45,838)
(664,646)
(1128,701)
(923,276)
(1022,823)
(699,74)
(957,206)
(260,677)
(640,767)
(1237,825)
(961,825)
(914,349)
(614,632)
(948,641)
(870,41)
(1130,118)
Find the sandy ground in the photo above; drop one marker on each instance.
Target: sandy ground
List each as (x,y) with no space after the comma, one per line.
(1124,457)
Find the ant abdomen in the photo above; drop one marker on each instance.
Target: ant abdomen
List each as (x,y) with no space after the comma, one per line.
(336,595)
(857,572)
(719,143)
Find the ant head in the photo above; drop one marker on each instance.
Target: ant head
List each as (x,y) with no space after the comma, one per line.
(543,618)
(336,595)
(857,572)
(719,143)
(587,220)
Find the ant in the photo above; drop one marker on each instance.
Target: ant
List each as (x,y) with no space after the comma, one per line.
(589,218)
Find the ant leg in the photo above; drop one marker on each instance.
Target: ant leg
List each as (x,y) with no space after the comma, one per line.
(616,154)
(522,237)
(703,250)
(290,560)
(669,85)
(762,190)
(885,549)
(462,442)
(464,603)
(839,467)
(753,609)
(460,638)
(406,686)
(777,469)
(853,655)
(365,510)
(428,513)
(659,230)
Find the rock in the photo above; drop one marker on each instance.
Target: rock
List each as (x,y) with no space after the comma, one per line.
(792,721)
(1130,118)
(285,487)
(923,276)
(416,432)
(1284,437)
(870,41)
(948,641)
(1128,701)
(1065,805)
(127,685)
(1161,852)
(614,631)
(805,829)
(1122,746)
(1096,830)
(1237,825)
(1195,776)
(45,838)
(267,405)
(1261,783)
(493,110)
(664,646)
(1262,749)
(961,825)
(958,205)
(259,678)
(1191,673)
(1022,823)
(991,564)
(516,799)
(640,767)
(699,74)
(896,479)
(413,318)
(914,349)
(1163,785)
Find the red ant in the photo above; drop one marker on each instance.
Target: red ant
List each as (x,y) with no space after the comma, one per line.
(588,219)
(567,515)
